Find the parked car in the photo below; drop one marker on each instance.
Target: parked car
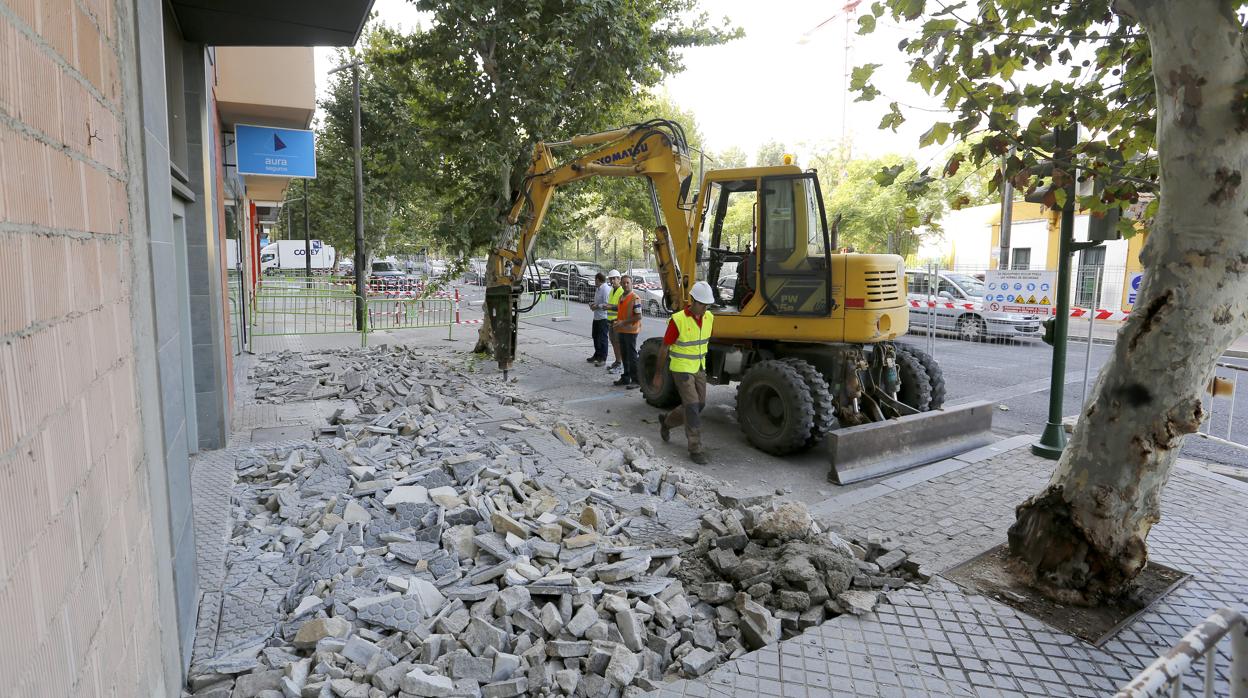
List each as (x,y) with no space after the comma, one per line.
(577,278)
(386,270)
(649,287)
(727,289)
(536,279)
(968,317)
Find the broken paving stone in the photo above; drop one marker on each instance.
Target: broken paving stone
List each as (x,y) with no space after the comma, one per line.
(407,494)
(698,662)
(480,636)
(858,602)
(891,560)
(624,569)
(582,620)
(505,689)
(312,631)
(716,592)
(623,666)
(418,683)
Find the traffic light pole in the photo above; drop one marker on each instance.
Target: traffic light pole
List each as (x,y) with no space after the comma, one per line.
(1053,439)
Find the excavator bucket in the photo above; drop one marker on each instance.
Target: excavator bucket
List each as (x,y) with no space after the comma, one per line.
(893,445)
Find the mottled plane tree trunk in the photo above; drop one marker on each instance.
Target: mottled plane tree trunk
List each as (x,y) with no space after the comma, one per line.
(1084,536)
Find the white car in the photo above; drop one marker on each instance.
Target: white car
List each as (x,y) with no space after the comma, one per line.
(648,286)
(959,300)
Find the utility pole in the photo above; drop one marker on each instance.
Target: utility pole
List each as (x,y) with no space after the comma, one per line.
(1007,217)
(307,235)
(361,258)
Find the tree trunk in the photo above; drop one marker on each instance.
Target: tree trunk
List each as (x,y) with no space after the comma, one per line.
(493,265)
(1084,537)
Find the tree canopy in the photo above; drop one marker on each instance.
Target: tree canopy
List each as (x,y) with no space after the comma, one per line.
(485,80)
(1013,71)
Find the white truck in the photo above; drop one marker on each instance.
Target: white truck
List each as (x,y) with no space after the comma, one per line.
(288,255)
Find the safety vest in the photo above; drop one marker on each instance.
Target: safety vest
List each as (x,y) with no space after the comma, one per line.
(688,354)
(613,303)
(629,321)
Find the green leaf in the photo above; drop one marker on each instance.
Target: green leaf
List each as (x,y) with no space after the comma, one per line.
(887,175)
(938,133)
(866,24)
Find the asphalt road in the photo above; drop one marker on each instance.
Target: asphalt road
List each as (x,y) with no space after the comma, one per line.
(1014,374)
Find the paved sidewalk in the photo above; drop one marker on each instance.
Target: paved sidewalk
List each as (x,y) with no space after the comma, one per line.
(935,640)
(1106,332)
(940,640)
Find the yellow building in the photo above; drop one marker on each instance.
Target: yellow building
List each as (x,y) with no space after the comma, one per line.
(971,243)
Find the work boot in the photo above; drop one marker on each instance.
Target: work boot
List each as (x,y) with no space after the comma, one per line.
(632,386)
(599,362)
(665,432)
(593,359)
(699,458)
(621,382)
(615,365)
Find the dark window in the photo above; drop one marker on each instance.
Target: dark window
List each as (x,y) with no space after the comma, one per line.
(1022,258)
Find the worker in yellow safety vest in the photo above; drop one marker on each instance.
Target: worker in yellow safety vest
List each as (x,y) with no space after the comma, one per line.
(685,344)
(613,312)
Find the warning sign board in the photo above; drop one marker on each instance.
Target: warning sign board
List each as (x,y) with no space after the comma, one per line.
(1021,291)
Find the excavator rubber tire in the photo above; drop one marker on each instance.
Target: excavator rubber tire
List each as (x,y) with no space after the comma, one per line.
(916,388)
(821,400)
(647,361)
(774,408)
(935,376)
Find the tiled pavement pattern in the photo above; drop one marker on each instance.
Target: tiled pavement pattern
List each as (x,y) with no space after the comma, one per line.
(939,640)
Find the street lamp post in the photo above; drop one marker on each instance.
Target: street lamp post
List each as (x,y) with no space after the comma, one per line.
(307,235)
(360,256)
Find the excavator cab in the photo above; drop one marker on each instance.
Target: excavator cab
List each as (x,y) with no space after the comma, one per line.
(788,268)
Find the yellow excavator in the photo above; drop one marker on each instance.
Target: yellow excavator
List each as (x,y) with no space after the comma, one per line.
(808,333)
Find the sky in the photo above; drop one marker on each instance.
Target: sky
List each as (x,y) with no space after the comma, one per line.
(784,81)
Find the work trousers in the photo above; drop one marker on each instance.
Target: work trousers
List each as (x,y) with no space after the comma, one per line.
(692,390)
(615,341)
(628,355)
(601,333)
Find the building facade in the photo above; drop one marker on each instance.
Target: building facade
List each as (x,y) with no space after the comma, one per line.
(970,242)
(117,326)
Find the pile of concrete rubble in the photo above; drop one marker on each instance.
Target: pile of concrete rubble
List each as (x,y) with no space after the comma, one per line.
(441,541)
(775,561)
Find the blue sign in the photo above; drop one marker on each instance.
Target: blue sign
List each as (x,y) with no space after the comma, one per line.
(1136,278)
(276,152)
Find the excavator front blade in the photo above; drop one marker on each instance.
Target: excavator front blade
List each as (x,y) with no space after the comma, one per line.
(892,445)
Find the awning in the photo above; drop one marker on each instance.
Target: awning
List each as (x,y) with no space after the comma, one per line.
(272,22)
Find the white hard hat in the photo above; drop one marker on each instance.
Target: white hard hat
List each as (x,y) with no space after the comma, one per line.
(613,274)
(701,293)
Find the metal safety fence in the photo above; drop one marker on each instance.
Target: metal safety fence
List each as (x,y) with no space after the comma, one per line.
(1219,425)
(552,303)
(281,308)
(410,313)
(1198,650)
(303,312)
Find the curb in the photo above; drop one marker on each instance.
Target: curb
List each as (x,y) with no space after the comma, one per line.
(1229,353)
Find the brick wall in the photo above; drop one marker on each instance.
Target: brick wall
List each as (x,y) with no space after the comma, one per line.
(78,610)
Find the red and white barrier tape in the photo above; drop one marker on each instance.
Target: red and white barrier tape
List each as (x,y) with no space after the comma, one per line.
(1101,314)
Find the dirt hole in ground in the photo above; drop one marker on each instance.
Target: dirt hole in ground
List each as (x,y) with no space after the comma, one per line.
(989,575)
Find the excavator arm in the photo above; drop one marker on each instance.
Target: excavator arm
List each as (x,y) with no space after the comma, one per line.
(655,150)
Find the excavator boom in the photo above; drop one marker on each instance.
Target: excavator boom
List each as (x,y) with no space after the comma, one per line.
(654,150)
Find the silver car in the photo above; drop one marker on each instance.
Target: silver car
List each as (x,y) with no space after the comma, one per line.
(959,300)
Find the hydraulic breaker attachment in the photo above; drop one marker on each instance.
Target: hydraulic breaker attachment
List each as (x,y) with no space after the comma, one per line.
(502,311)
(881,448)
